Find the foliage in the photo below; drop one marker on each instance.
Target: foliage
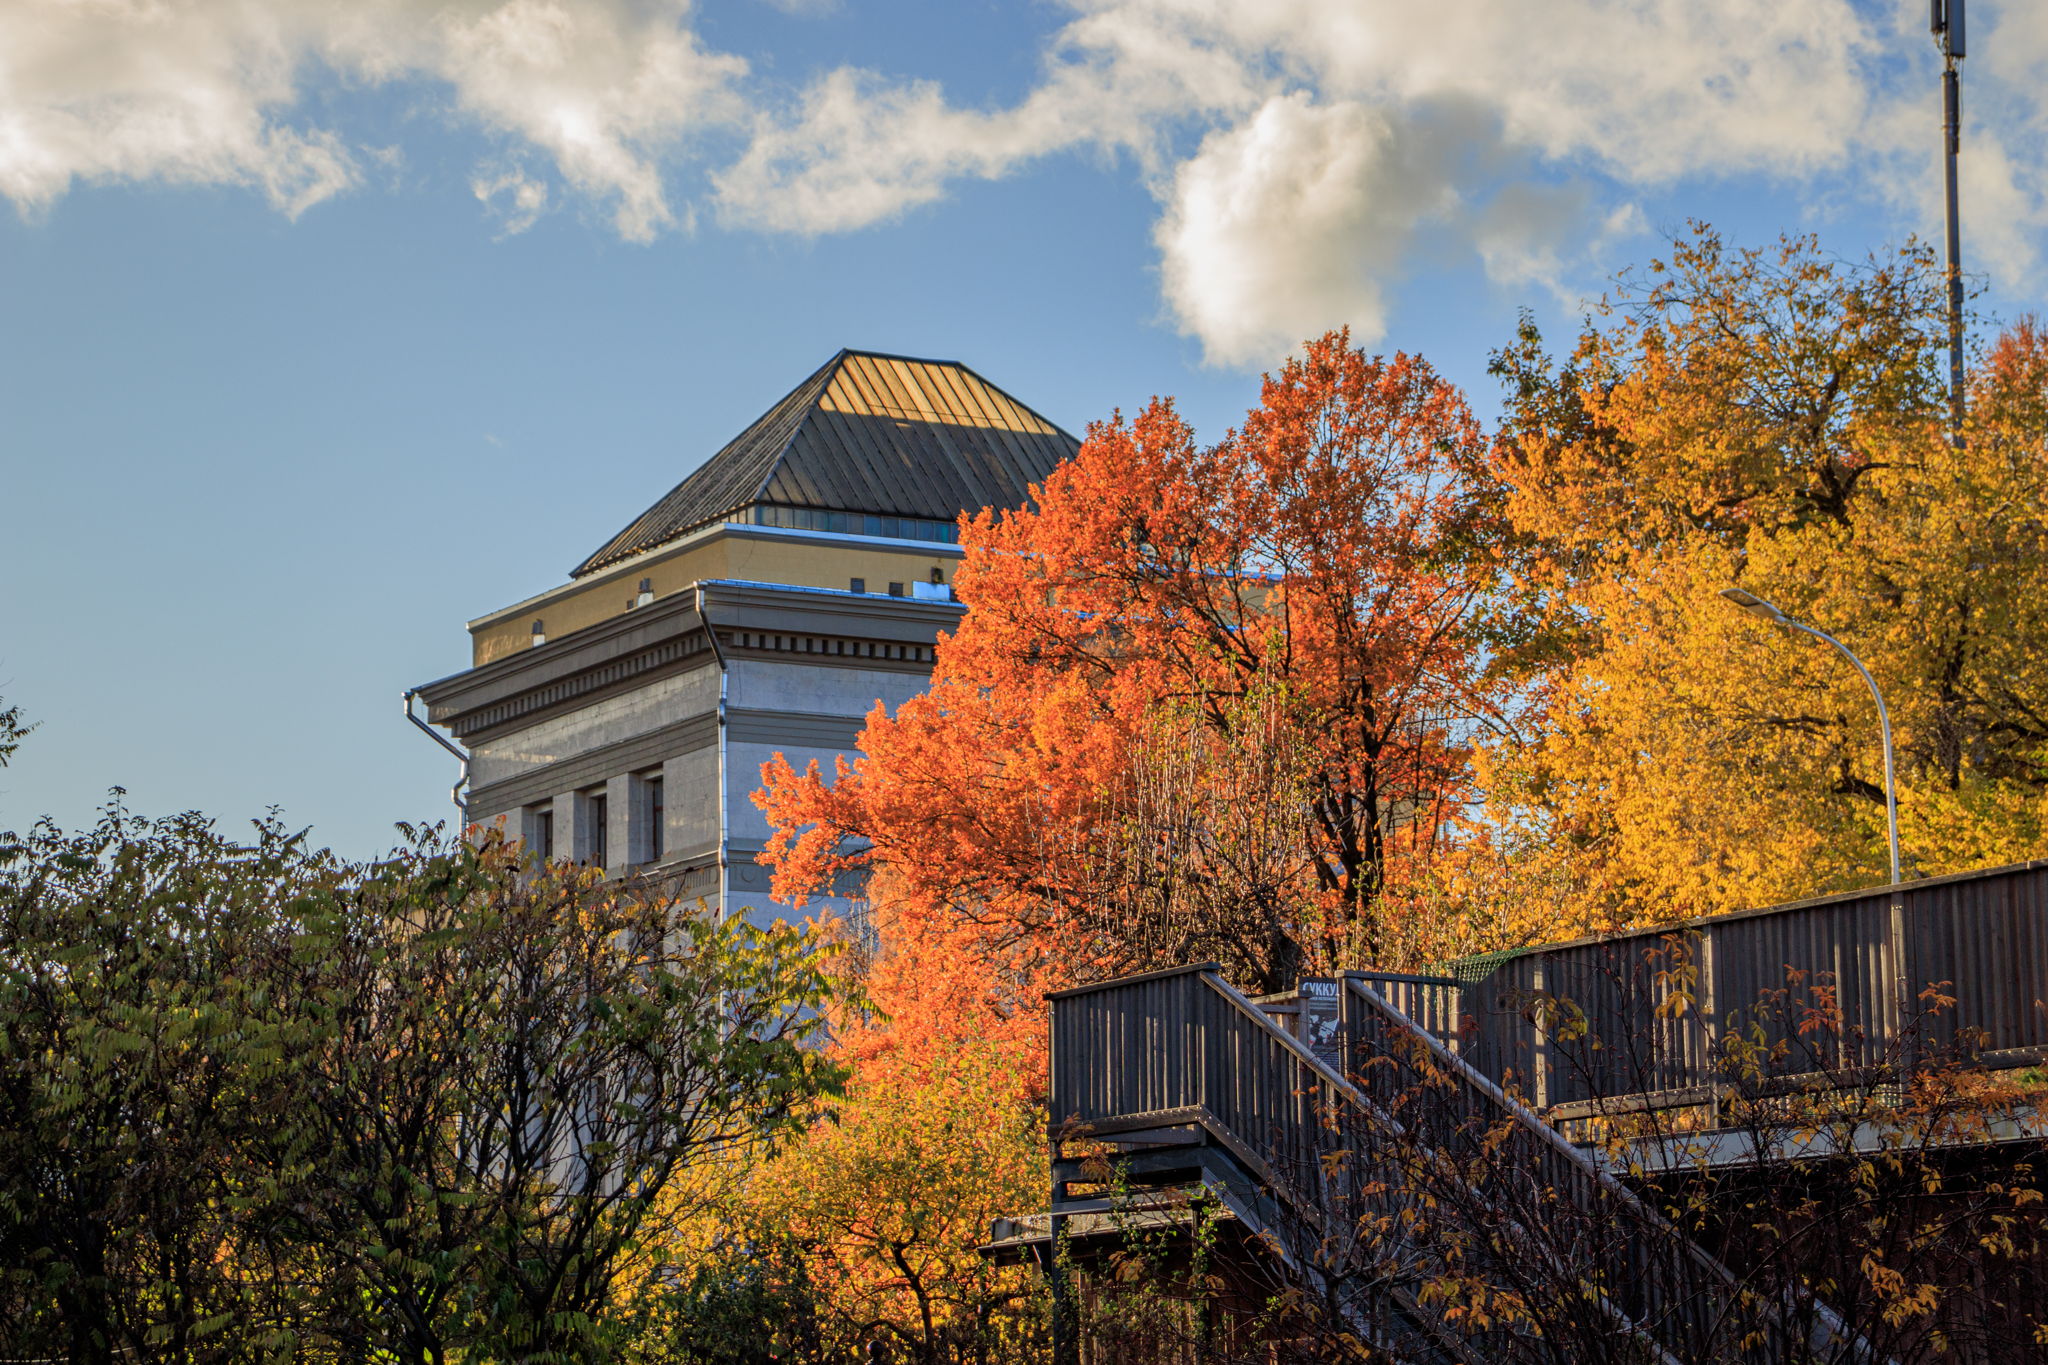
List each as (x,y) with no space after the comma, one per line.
(13,730)
(1157,1292)
(565,1051)
(1317,572)
(1773,419)
(144,1089)
(940,1132)
(749,1302)
(279,1107)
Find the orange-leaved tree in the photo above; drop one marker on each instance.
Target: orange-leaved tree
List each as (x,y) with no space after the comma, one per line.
(888,1197)
(1287,616)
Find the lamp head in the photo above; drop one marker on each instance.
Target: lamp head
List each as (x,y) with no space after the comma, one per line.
(1754,605)
(1945,21)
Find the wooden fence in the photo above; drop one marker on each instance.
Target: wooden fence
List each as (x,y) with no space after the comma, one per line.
(1878,976)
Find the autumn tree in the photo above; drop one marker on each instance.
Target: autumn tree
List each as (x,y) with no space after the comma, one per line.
(859,1240)
(1302,593)
(515,1065)
(889,1198)
(260,1104)
(1206,701)
(1773,419)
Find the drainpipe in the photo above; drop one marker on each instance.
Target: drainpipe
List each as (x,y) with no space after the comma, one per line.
(724,829)
(455,792)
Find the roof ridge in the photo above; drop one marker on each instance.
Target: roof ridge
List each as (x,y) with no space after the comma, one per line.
(969,369)
(808,390)
(845,351)
(821,378)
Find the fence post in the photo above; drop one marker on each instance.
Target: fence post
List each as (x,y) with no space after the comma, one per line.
(1055,1273)
(1905,1014)
(1063,1341)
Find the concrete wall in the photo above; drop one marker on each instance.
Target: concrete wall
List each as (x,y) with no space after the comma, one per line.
(743,775)
(802,710)
(691,782)
(819,689)
(661,702)
(690,776)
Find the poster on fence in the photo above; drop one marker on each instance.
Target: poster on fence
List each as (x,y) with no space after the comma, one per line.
(1319,1017)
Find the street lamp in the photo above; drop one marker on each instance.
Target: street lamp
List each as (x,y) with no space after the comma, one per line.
(1756,606)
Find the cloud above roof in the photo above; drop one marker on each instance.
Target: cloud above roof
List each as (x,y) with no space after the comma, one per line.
(1301,151)
(600,95)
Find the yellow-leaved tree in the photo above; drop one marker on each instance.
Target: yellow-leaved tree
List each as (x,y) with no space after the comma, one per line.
(940,1132)
(1774,420)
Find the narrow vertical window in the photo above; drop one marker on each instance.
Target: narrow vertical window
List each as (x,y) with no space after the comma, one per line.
(598,821)
(544,833)
(656,816)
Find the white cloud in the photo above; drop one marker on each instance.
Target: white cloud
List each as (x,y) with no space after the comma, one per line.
(858,152)
(517,198)
(1302,151)
(203,91)
(1292,222)
(859,149)
(606,90)
(133,91)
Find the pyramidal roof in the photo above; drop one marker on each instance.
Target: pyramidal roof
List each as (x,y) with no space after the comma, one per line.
(880,434)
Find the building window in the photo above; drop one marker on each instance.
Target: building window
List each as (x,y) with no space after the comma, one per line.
(653,818)
(895,590)
(540,831)
(596,810)
(938,574)
(858,585)
(849,523)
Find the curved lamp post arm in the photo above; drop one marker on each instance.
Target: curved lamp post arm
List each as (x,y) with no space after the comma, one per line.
(1884,720)
(1756,606)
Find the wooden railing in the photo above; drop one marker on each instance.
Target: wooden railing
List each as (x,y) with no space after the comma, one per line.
(1447,1091)
(1183,1046)
(1364,1168)
(1538,1209)
(1575,1025)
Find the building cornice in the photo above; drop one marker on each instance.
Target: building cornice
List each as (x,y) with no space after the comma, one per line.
(816,626)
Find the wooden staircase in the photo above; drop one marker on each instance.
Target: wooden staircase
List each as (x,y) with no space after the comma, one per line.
(1385,1176)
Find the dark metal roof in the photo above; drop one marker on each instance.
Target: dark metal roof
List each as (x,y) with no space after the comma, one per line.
(881,434)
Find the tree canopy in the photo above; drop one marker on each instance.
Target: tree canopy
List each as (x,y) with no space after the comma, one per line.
(261,1104)
(1175,638)
(1772,419)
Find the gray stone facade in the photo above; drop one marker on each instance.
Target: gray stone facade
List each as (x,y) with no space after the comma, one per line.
(576,737)
(622,718)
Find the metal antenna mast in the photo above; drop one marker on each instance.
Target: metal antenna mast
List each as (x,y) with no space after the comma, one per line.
(1945,20)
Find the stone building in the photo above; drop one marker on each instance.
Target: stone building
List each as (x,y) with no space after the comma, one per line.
(765,605)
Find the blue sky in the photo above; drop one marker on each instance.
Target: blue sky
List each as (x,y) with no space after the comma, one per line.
(323,332)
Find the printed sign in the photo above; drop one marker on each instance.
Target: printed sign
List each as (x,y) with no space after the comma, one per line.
(1319,1017)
